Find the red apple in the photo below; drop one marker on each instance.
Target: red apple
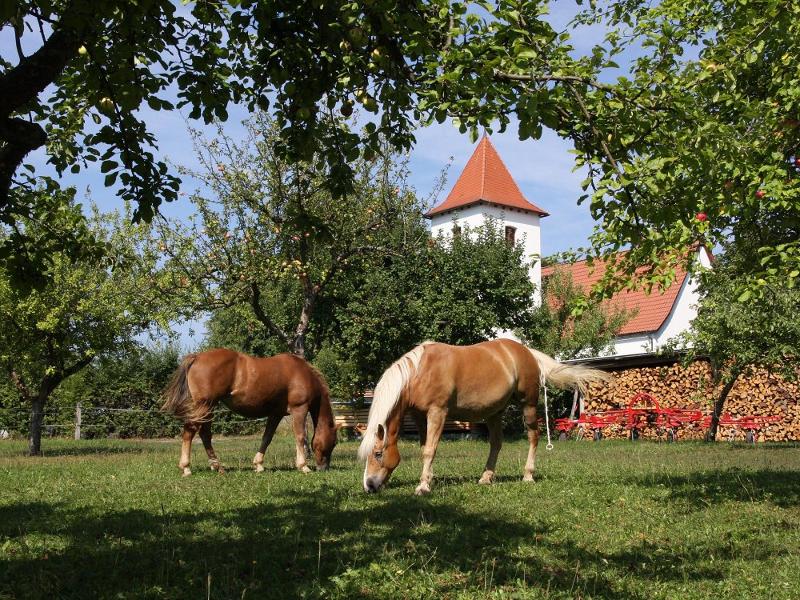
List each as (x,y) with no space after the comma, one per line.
(797,161)
(760,194)
(701,216)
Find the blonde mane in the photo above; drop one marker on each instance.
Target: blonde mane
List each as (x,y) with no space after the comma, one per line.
(387,393)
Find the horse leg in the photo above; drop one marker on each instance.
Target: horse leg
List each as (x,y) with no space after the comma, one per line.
(299,427)
(422,426)
(269,431)
(205,436)
(495,426)
(533,439)
(436,419)
(189,429)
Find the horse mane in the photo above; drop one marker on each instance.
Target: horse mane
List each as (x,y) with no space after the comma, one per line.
(566,376)
(387,393)
(323,382)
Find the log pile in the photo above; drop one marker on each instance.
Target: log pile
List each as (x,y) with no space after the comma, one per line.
(760,394)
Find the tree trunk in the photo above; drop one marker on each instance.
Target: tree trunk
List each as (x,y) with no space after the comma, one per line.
(37,418)
(298,345)
(719,405)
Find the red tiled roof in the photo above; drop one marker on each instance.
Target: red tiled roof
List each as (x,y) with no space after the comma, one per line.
(485,178)
(650,310)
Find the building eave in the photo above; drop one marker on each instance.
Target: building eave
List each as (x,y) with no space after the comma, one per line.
(435,212)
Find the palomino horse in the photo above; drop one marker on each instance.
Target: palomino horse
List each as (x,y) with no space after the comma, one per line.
(254,387)
(462,382)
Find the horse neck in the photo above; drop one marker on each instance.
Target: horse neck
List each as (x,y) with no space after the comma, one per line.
(394,424)
(322,412)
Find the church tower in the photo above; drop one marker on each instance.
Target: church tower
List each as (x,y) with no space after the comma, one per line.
(484,190)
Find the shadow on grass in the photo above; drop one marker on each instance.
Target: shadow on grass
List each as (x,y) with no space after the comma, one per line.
(99,449)
(701,490)
(320,544)
(95,448)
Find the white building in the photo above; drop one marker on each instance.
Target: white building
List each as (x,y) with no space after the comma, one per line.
(485,189)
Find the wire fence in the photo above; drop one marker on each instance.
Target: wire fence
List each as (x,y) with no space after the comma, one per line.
(85,422)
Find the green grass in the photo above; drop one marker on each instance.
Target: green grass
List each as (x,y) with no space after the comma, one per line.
(113,519)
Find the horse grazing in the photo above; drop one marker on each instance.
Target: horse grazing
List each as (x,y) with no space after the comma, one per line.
(254,387)
(476,382)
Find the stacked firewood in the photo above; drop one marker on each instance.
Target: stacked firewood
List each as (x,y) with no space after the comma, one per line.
(674,386)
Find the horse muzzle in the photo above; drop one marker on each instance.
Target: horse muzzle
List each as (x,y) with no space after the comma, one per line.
(373,485)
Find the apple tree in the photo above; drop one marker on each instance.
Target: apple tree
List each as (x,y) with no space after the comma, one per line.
(82,78)
(80,310)
(737,337)
(269,234)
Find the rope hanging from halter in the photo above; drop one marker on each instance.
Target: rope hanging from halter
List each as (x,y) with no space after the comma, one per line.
(546,417)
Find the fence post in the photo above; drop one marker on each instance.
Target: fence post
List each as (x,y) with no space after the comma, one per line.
(78,421)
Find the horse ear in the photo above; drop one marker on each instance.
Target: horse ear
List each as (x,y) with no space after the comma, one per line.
(381,432)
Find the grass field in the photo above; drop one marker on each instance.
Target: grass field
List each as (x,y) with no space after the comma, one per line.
(113,519)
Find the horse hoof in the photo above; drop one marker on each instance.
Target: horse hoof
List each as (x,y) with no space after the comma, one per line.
(422,490)
(528,477)
(259,468)
(186,471)
(486,480)
(305,469)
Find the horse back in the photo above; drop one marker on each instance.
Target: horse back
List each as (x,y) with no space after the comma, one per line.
(212,373)
(475,379)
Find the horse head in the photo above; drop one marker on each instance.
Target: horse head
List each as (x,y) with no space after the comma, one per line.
(381,461)
(323,444)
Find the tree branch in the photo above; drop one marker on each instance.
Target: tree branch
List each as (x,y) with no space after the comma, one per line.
(74,368)
(606,149)
(255,303)
(20,137)
(22,84)
(19,384)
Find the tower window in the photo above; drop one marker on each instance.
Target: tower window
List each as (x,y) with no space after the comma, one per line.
(456,231)
(511,233)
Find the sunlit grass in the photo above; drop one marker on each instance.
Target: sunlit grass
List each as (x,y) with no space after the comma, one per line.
(610,520)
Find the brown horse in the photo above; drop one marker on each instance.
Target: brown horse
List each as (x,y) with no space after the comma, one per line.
(253,387)
(476,382)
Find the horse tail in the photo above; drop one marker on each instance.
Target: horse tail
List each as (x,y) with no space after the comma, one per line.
(567,376)
(178,399)
(387,393)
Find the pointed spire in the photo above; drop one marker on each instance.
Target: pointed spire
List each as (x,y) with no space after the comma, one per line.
(485,178)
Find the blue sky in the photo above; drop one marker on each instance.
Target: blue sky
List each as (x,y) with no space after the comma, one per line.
(542,168)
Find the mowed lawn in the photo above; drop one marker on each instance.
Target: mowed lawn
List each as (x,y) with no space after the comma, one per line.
(113,519)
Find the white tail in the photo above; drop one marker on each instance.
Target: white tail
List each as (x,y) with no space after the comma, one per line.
(567,376)
(387,393)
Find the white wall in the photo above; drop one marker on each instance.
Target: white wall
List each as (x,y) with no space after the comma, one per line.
(632,344)
(527,224)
